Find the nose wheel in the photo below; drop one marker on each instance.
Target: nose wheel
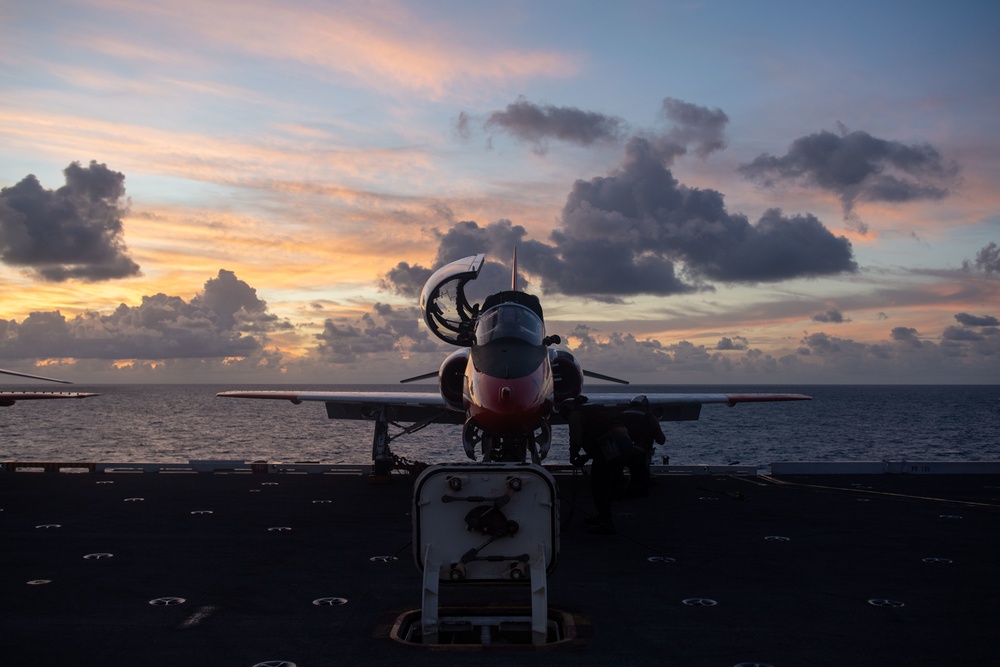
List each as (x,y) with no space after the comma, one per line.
(506,448)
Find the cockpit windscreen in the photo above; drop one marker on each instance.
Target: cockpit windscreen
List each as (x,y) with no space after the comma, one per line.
(509,320)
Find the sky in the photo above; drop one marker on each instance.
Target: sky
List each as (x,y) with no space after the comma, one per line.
(700,192)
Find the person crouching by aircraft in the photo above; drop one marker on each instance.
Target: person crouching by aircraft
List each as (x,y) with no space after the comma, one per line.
(644,429)
(608,445)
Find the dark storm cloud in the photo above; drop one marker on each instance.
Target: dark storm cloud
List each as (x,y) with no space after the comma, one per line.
(696,126)
(832,315)
(74,232)
(907,335)
(987,260)
(961,334)
(637,230)
(536,124)
(225,320)
(858,167)
(734,343)
(626,233)
(468,238)
(968,320)
(496,239)
(821,343)
(405,280)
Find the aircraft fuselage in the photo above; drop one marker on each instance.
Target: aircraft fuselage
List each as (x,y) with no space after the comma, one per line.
(508,388)
(505,378)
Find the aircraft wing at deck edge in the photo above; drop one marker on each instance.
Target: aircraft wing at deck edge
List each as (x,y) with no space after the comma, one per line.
(621,399)
(404,406)
(684,407)
(420,406)
(8,398)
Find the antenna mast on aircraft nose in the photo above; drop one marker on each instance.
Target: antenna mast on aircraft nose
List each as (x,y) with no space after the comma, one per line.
(513,272)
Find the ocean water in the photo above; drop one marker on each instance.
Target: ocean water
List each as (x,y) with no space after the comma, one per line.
(177,423)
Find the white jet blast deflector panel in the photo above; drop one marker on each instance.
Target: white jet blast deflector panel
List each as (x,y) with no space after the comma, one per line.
(485,522)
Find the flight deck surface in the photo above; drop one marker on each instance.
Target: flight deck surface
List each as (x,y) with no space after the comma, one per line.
(315,569)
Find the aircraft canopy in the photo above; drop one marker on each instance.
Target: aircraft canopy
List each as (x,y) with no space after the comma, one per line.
(509,320)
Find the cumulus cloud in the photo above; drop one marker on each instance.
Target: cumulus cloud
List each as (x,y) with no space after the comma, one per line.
(981,332)
(693,126)
(225,320)
(832,315)
(963,354)
(469,238)
(959,355)
(961,334)
(235,305)
(987,260)
(75,232)
(537,123)
(496,239)
(624,352)
(638,230)
(384,329)
(679,361)
(734,343)
(690,127)
(858,167)
(968,320)
(906,335)
(405,280)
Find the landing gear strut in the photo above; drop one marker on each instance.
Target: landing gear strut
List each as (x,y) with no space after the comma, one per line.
(382,460)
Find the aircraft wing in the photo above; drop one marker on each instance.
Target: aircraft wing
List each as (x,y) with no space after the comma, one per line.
(399,406)
(685,407)
(8,398)
(405,406)
(4,371)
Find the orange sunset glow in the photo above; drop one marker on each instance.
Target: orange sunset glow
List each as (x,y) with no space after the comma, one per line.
(237,191)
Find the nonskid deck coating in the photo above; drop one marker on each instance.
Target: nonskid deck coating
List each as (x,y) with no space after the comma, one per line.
(791,563)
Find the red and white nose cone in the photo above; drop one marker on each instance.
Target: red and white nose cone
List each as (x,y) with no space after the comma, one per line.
(506,405)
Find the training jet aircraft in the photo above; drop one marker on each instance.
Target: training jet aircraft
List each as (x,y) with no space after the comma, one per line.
(8,398)
(504,384)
